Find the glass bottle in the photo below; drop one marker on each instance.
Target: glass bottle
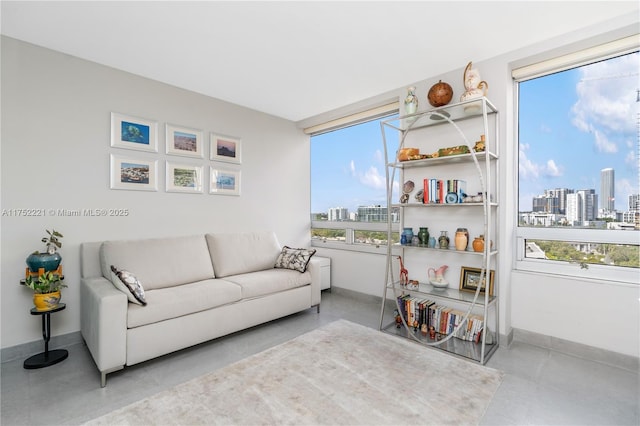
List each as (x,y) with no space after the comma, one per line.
(411,101)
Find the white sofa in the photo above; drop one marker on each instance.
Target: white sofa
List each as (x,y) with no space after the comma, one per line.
(197,288)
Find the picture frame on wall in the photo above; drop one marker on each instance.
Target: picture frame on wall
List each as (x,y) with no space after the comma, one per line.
(186,178)
(183,141)
(470,278)
(225,148)
(133,174)
(135,133)
(224,181)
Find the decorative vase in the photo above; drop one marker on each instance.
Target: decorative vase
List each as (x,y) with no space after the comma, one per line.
(432,242)
(415,241)
(461,239)
(46,261)
(407,235)
(411,101)
(423,235)
(46,301)
(478,243)
(443,240)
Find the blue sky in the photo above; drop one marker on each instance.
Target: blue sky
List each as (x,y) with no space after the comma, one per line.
(575,123)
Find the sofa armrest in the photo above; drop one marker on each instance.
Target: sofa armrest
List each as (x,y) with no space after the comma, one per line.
(103,315)
(316,280)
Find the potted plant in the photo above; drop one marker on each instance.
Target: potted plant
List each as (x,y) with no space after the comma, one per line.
(49,260)
(46,289)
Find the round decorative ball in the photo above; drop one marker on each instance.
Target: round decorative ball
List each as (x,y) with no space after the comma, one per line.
(440,94)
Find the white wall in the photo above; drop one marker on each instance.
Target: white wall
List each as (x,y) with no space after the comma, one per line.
(55,155)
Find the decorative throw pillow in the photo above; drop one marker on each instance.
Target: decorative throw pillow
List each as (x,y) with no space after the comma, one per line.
(126,282)
(294,258)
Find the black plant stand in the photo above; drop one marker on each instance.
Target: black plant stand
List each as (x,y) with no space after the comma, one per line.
(47,357)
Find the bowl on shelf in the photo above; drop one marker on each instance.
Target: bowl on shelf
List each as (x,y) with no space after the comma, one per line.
(439,284)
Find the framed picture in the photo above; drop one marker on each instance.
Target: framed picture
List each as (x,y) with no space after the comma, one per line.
(470,278)
(184,178)
(225,148)
(133,133)
(224,182)
(133,174)
(184,141)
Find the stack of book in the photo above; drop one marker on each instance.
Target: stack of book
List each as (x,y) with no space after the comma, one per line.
(418,311)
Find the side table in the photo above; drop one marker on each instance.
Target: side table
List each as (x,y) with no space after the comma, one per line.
(47,357)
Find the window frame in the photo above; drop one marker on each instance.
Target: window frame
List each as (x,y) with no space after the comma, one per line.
(379,112)
(617,274)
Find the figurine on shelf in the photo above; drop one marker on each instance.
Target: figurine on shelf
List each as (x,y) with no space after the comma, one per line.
(404,274)
(398,318)
(474,88)
(432,332)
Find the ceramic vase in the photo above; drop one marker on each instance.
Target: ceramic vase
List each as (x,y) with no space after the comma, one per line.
(443,240)
(411,101)
(461,239)
(478,243)
(423,235)
(46,301)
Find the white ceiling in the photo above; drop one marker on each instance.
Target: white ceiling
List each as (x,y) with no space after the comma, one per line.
(295,59)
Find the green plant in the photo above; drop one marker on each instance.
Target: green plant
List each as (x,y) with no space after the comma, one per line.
(52,240)
(46,283)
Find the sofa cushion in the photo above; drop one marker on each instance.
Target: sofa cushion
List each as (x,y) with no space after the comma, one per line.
(127,283)
(294,258)
(240,253)
(255,284)
(177,301)
(159,262)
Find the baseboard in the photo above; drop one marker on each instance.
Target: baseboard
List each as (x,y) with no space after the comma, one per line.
(25,350)
(579,350)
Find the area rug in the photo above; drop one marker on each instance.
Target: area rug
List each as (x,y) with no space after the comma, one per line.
(339,374)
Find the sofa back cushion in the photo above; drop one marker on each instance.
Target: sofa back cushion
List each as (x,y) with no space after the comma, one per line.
(159,262)
(240,253)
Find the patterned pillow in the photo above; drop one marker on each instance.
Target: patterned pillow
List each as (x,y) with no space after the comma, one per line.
(126,282)
(294,258)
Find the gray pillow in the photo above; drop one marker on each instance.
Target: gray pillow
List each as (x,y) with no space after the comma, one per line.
(127,283)
(294,258)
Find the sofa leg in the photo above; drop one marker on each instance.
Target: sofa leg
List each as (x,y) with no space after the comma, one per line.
(318,307)
(103,379)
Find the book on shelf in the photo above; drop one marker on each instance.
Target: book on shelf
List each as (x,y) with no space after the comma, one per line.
(435,190)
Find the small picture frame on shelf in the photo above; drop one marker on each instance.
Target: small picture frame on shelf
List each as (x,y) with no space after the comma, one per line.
(183,141)
(225,148)
(470,278)
(135,133)
(184,178)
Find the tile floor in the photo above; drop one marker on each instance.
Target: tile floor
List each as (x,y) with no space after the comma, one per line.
(540,387)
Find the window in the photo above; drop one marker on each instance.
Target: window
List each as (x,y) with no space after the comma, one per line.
(348,187)
(578,179)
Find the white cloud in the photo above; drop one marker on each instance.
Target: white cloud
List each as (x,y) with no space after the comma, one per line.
(552,169)
(372,178)
(603,144)
(606,102)
(528,169)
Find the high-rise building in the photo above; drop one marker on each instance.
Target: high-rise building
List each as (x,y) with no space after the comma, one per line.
(582,206)
(372,214)
(607,189)
(338,213)
(634,202)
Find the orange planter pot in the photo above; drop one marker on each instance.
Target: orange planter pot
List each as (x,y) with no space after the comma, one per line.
(46,301)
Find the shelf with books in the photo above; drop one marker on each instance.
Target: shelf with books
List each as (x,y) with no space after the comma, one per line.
(457,182)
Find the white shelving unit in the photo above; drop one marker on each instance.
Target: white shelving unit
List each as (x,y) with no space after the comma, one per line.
(448,126)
